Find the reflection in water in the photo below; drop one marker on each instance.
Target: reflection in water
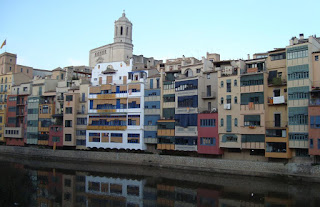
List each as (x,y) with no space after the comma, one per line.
(30,186)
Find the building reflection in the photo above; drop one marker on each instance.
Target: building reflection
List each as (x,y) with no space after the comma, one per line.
(60,188)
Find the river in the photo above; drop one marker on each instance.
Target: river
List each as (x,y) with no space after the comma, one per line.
(26,182)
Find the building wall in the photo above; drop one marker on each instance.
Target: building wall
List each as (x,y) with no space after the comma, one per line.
(32,119)
(70,117)
(208,130)
(229,73)
(56,132)
(303,63)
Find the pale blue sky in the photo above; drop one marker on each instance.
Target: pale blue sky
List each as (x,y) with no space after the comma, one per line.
(50,34)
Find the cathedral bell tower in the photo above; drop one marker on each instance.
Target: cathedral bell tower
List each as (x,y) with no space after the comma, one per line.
(123,30)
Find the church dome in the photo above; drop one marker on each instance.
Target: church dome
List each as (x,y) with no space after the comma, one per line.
(123,18)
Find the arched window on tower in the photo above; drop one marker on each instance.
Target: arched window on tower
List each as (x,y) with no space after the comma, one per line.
(116,31)
(127,31)
(121,30)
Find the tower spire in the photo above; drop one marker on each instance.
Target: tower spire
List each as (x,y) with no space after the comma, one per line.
(124,13)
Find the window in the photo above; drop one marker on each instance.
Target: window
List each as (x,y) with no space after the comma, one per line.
(279,56)
(67,138)
(221,100)
(311,143)
(81,121)
(235,100)
(207,122)
(67,182)
(235,122)
(318,143)
(40,90)
(68,123)
(314,121)
(198,70)
(235,83)
(134,138)
(81,132)
(208,76)
(221,84)
(21,70)
(228,87)
(316,58)
(69,98)
(209,141)
(209,106)
(221,122)
(45,109)
(276,92)
(158,83)
(68,110)
(149,123)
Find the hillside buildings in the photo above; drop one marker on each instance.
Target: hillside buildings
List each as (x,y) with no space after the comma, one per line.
(263,108)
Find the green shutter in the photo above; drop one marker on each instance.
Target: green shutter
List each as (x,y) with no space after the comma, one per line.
(229,123)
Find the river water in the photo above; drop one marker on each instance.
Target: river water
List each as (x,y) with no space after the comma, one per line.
(46,183)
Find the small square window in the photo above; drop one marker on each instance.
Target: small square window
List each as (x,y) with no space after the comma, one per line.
(316,58)
(198,70)
(208,76)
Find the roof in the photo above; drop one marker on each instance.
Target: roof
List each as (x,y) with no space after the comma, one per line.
(277,50)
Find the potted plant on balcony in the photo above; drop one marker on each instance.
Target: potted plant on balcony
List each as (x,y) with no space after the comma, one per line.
(252,126)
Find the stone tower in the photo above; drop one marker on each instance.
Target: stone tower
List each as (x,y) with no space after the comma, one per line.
(123,30)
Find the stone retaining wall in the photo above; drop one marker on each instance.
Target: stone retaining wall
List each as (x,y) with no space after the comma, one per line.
(254,168)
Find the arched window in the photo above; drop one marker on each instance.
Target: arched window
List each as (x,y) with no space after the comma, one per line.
(127,31)
(235,100)
(236,122)
(221,100)
(235,83)
(121,30)
(221,122)
(221,84)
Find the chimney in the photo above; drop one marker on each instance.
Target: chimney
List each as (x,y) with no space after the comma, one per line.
(301,36)
(248,56)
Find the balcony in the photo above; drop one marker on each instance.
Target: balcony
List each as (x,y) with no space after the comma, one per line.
(209,95)
(60,98)
(151,111)
(93,127)
(279,100)
(186,110)
(185,147)
(165,146)
(150,140)
(314,102)
(166,132)
(189,131)
(13,132)
(228,71)
(276,124)
(277,82)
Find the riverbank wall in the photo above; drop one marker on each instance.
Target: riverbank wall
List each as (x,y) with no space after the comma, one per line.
(297,171)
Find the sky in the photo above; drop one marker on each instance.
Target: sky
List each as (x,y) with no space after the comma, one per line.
(60,33)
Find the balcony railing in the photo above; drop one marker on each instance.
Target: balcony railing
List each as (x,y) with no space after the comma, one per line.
(277,82)
(277,100)
(208,94)
(276,124)
(60,98)
(314,102)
